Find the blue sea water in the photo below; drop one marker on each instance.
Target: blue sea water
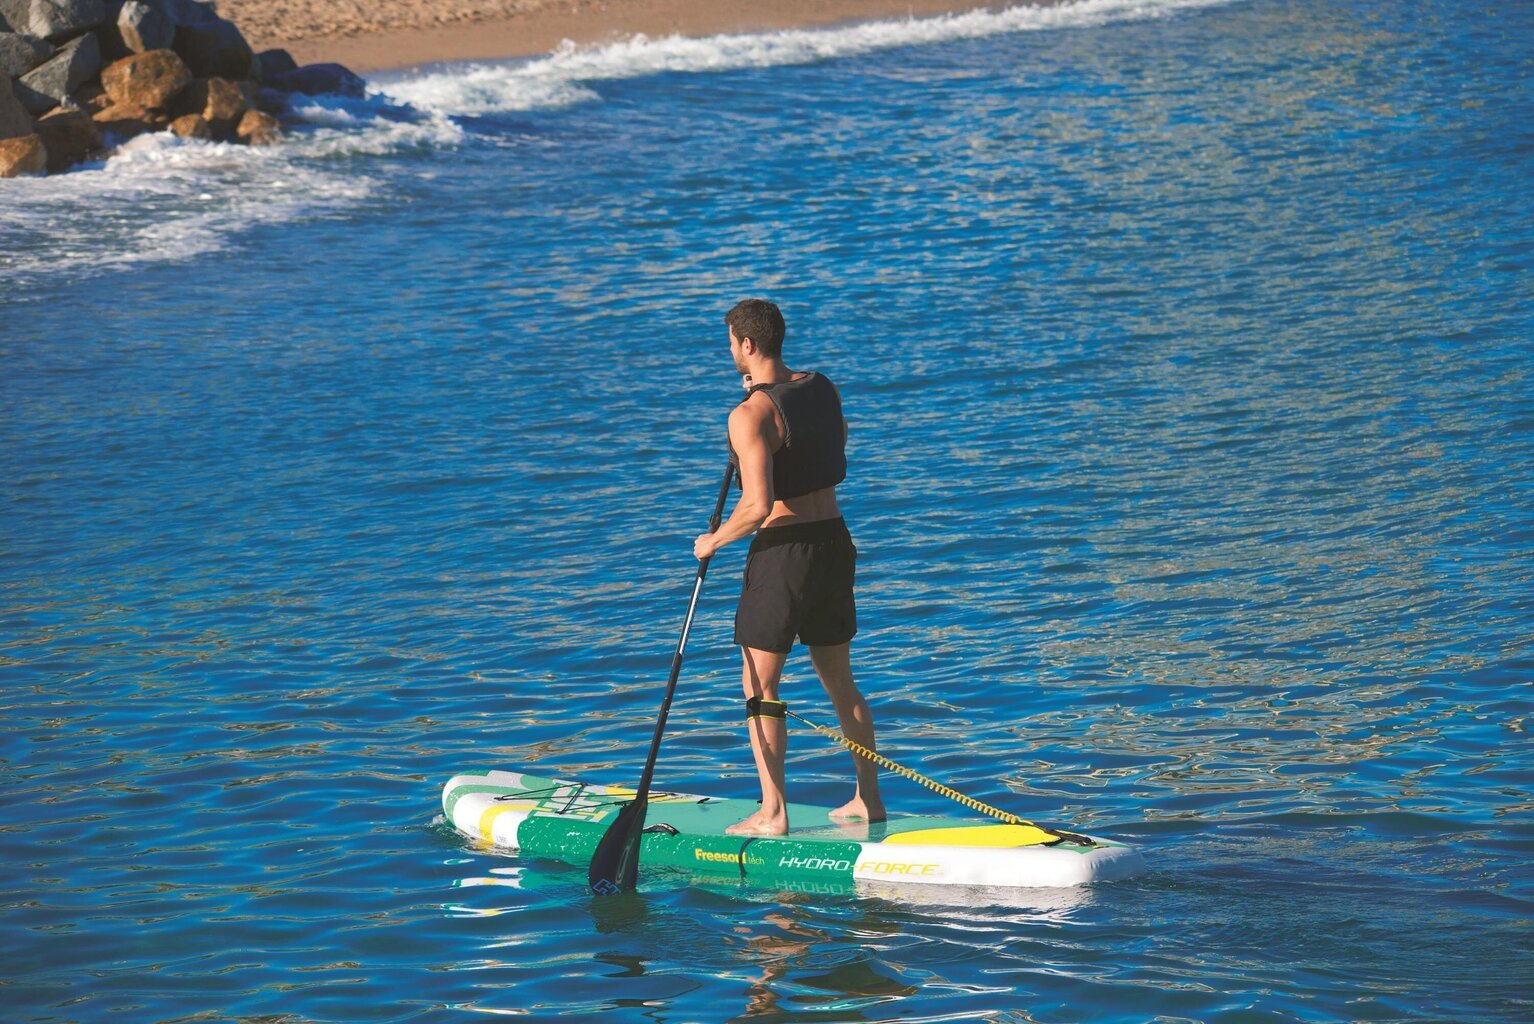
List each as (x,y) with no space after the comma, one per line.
(1187,354)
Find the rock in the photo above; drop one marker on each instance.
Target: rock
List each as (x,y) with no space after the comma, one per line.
(129,119)
(50,84)
(145,28)
(258,129)
(23,155)
(110,35)
(274,63)
(53,19)
(217,101)
(272,101)
(151,80)
(214,49)
(317,79)
(191,126)
(185,12)
(14,119)
(70,137)
(20,54)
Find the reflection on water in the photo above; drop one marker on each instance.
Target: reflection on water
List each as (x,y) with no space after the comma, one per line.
(789,954)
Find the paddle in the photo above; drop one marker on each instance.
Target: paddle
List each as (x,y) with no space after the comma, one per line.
(615,864)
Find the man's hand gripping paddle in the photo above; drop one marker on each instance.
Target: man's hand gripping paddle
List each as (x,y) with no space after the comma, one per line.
(615,864)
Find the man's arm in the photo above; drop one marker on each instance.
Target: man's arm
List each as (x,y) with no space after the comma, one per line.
(749,423)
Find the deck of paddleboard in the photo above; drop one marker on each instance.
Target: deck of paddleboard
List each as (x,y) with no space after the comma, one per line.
(563,820)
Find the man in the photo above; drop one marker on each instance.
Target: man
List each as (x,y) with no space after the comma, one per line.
(789,439)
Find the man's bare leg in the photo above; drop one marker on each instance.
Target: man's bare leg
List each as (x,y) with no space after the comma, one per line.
(769,742)
(834,667)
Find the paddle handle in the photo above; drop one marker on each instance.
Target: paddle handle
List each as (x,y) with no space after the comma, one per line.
(642,794)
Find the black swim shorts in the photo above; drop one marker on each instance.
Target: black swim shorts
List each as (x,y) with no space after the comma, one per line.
(798,583)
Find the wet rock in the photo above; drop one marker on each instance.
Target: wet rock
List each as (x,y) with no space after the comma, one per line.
(21,53)
(50,84)
(14,119)
(274,63)
(258,129)
(53,19)
(318,79)
(215,49)
(70,137)
(191,126)
(128,120)
(151,80)
(145,28)
(217,101)
(23,155)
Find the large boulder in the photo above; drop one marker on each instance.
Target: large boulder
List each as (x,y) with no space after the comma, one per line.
(110,36)
(23,155)
(217,101)
(52,19)
(320,79)
(258,129)
(274,63)
(50,84)
(186,12)
(21,53)
(143,28)
(70,137)
(215,49)
(14,119)
(150,80)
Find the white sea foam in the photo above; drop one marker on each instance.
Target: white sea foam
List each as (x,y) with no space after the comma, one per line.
(557,80)
(163,198)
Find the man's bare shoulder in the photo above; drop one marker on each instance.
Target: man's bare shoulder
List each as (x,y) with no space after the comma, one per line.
(756,410)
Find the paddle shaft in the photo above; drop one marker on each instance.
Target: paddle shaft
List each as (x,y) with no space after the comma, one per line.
(642,794)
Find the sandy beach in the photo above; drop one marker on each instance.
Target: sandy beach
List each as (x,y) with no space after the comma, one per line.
(386,34)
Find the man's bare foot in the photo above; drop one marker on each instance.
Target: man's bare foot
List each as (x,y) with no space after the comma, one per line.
(760,824)
(857,810)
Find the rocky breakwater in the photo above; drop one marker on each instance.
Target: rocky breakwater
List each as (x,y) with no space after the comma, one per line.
(79,77)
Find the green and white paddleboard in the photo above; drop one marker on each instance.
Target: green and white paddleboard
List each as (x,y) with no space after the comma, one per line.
(563,820)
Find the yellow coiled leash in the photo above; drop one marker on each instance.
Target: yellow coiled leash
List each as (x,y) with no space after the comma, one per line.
(937,787)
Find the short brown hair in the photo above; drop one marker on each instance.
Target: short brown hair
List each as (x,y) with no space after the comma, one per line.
(761,321)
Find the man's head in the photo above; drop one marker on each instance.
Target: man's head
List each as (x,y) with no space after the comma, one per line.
(760,321)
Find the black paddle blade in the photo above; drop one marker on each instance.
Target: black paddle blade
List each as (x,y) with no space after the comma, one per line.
(615,864)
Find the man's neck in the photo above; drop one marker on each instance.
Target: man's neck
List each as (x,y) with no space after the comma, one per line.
(771,371)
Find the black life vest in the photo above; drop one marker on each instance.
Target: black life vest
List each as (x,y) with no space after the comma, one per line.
(814,451)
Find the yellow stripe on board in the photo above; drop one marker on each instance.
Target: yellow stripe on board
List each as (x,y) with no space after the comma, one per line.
(487,819)
(974,835)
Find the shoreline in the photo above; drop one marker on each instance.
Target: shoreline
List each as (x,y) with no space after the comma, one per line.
(529,28)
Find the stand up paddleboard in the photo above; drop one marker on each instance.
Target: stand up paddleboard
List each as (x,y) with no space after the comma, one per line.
(564,820)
